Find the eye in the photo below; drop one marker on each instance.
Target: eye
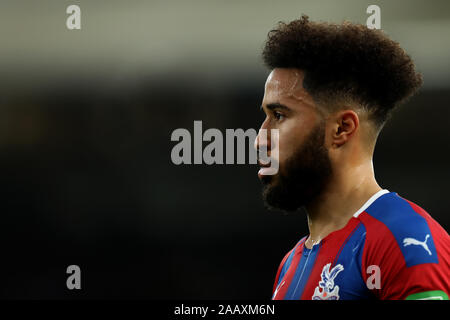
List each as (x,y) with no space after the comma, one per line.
(278,115)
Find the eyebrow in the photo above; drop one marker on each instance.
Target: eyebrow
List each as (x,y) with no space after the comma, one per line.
(276,105)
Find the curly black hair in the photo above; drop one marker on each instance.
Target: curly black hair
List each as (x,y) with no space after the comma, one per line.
(345,60)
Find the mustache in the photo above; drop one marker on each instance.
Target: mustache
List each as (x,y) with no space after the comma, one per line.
(264,158)
(269,166)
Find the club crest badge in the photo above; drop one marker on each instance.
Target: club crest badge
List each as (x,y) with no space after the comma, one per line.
(327,290)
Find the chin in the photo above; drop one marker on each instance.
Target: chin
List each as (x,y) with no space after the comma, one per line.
(265,180)
(278,196)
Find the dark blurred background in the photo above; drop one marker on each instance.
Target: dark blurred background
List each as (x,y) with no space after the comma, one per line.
(85,123)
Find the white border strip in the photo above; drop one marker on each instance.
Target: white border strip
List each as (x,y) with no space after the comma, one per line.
(370,201)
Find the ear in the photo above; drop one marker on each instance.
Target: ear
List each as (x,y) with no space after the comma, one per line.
(345,124)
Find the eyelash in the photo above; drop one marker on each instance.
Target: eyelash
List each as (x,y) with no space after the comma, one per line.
(278,115)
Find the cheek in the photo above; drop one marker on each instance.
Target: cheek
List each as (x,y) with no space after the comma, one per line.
(286,150)
(290,140)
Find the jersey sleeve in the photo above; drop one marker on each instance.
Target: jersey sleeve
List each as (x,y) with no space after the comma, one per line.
(420,282)
(411,260)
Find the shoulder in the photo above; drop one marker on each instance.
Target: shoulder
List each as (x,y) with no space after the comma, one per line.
(400,229)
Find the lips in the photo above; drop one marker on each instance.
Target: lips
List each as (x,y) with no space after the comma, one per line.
(266,170)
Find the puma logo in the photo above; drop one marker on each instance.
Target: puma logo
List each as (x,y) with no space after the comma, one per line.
(409,241)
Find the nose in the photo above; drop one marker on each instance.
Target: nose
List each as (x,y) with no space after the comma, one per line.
(263,139)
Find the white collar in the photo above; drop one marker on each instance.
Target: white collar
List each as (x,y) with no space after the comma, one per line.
(370,201)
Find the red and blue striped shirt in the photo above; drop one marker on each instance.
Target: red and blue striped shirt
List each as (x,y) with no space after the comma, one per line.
(390,249)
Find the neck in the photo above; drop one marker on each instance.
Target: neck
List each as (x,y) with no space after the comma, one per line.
(347,191)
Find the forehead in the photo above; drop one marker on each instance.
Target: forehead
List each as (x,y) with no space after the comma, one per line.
(286,84)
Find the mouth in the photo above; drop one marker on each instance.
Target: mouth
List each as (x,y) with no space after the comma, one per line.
(265,170)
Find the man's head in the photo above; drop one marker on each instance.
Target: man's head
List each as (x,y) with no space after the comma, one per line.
(331,89)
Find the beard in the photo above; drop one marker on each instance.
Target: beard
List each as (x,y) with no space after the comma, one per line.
(304,175)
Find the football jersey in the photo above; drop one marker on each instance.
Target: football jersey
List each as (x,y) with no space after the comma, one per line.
(389,249)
